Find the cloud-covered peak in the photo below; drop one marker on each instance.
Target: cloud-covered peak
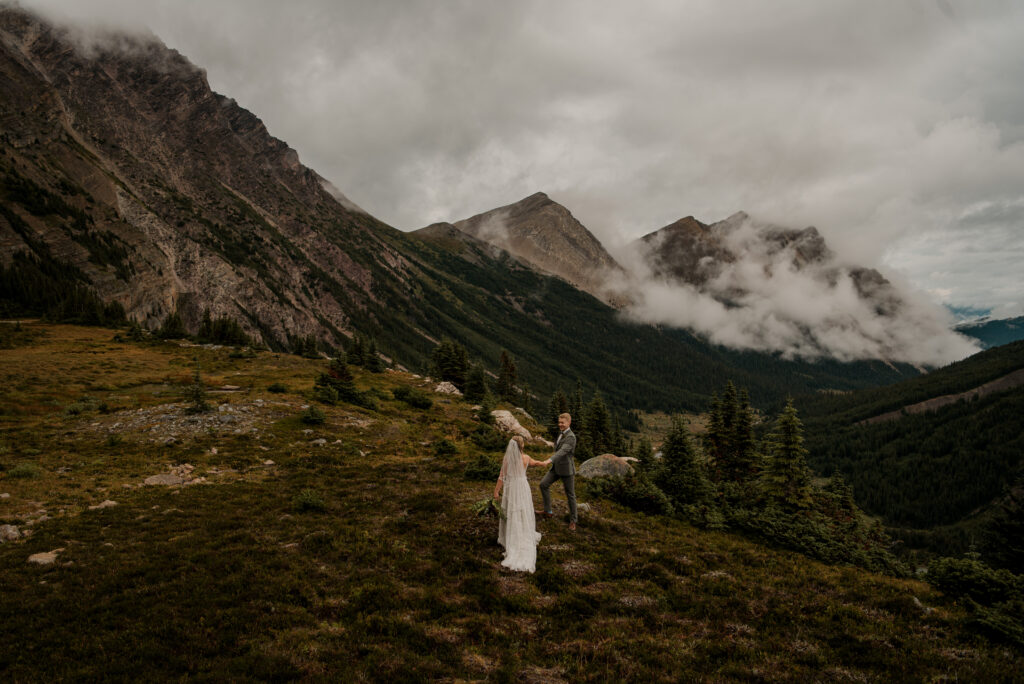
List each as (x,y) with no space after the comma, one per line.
(751,285)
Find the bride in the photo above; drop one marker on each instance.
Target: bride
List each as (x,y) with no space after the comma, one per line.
(517,528)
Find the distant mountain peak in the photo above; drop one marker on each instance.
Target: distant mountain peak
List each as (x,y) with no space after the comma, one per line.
(545,234)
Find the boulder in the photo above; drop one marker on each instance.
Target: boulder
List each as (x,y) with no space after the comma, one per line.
(9,533)
(106,504)
(506,422)
(447,388)
(164,479)
(47,558)
(605,465)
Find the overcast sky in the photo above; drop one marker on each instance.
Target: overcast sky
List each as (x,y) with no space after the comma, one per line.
(895,127)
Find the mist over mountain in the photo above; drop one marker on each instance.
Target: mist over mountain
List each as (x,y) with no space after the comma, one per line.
(739,283)
(749,285)
(993,332)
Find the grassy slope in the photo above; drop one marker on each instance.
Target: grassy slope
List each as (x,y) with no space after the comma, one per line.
(396,579)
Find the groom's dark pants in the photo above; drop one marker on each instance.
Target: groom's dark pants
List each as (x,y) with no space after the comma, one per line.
(569,482)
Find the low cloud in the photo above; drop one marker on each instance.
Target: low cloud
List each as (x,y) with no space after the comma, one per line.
(773,299)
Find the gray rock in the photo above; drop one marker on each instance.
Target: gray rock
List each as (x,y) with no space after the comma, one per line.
(447,388)
(9,533)
(506,422)
(583,507)
(225,419)
(605,465)
(106,504)
(319,442)
(5,495)
(163,479)
(47,558)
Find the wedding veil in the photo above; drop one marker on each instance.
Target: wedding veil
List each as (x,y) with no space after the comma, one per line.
(512,466)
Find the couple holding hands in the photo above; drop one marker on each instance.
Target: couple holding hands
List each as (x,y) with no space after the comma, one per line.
(517,527)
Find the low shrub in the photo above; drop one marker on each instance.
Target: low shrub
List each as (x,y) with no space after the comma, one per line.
(445,447)
(486,468)
(412,397)
(277,388)
(313,416)
(309,500)
(29,470)
(971,577)
(634,491)
(488,438)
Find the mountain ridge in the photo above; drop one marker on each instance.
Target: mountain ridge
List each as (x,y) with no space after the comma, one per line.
(545,234)
(131,177)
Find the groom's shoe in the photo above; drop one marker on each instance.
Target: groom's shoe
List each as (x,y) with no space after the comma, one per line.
(572,527)
(544,514)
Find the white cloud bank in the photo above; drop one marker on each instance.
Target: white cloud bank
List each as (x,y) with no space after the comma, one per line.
(773,300)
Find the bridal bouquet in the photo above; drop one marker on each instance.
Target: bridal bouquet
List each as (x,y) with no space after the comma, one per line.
(488,507)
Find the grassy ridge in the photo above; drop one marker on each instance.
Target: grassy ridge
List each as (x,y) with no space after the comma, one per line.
(395,578)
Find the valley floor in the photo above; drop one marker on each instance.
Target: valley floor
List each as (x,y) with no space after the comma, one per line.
(348,551)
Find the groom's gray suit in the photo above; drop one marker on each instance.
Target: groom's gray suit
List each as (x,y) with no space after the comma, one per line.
(562,466)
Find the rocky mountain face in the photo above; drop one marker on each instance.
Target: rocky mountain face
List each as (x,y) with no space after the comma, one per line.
(169,196)
(547,236)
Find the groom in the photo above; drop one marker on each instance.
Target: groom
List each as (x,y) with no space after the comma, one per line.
(562,466)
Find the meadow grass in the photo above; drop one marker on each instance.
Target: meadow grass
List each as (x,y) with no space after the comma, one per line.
(361,559)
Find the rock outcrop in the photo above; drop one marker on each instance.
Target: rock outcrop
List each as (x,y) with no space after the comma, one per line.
(605,465)
(119,159)
(506,422)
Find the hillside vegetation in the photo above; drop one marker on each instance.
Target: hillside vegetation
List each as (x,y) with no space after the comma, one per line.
(932,475)
(360,557)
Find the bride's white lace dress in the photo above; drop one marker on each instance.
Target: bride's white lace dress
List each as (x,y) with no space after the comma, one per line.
(517,530)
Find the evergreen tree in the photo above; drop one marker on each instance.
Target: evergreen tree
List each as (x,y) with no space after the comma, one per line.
(557,406)
(632,421)
(527,400)
(597,431)
(304,346)
(507,377)
(744,458)
(476,384)
(644,452)
(680,474)
(618,441)
(337,384)
(205,333)
(222,330)
(576,406)
(195,394)
(730,436)
(371,358)
(787,477)
(173,327)
(355,353)
(1004,535)
(486,406)
(450,362)
(841,494)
